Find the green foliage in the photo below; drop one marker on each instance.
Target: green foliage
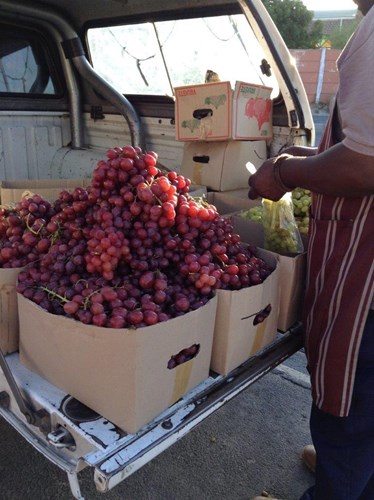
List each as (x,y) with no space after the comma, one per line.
(295,23)
(316,34)
(339,37)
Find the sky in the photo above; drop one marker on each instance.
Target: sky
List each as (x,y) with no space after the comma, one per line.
(329,5)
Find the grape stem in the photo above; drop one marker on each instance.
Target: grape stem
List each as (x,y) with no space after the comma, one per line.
(54,294)
(30,228)
(55,236)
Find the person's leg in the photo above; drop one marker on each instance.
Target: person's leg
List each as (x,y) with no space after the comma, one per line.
(345,446)
(308,494)
(369,490)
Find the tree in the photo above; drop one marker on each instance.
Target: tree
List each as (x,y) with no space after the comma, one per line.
(295,23)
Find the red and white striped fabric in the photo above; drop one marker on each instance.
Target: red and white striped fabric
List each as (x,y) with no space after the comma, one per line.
(341,251)
(339,292)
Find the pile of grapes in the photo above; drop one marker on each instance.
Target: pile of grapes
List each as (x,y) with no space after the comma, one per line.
(24,237)
(301,204)
(254,213)
(134,249)
(301,200)
(281,233)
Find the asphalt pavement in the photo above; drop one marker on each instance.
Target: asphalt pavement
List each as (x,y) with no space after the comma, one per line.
(250,445)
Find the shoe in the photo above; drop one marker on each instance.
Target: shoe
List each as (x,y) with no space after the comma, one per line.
(309,457)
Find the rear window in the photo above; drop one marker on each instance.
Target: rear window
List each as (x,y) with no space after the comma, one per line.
(24,65)
(153,58)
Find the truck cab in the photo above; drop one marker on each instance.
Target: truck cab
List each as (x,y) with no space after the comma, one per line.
(80,78)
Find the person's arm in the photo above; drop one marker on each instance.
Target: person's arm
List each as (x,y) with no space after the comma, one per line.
(300,150)
(338,171)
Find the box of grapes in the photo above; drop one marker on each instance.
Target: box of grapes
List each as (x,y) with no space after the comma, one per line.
(292,267)
(128,376)
(231,201)
(246,320)
(9,332)
(215,111)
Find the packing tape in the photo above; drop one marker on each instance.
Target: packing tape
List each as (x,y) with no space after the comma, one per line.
(197,173)
(259,338)
(181,380)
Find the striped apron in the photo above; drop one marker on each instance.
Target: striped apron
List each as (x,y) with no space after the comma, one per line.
(340,286)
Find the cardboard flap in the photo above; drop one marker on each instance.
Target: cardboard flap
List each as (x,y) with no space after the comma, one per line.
(13,190)
(9,325)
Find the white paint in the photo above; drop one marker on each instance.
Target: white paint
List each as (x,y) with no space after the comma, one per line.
(141,443)
(320,75)
(102,429)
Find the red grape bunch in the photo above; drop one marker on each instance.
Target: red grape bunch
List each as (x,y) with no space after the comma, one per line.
(134,248)
(23,231)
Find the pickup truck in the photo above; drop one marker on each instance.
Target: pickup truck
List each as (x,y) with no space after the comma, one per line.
(80,78)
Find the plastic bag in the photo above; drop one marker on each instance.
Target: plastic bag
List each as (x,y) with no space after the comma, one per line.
(280,228)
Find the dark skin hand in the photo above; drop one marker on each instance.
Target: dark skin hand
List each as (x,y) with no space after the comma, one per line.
(262,183)
(338,171)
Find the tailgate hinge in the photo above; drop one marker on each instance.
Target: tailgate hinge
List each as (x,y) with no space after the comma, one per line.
(294,119)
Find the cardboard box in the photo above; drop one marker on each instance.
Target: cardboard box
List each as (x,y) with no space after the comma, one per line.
(237,337)
(197,191)
(13,191)
(221,165)
(122,374)
(229,202)
(250,232)
(292,272)
(252,112)
(9,327)
(216,112)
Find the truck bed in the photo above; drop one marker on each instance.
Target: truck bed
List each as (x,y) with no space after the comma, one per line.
(86,439)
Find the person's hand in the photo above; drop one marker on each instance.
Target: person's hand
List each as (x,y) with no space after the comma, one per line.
(263,183)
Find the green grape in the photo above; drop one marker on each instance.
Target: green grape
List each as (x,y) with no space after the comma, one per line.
(301,199)
(305,201)
(302,224)
(280,230)
(254,214)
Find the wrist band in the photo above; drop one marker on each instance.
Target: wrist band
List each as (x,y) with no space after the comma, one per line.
(277,176)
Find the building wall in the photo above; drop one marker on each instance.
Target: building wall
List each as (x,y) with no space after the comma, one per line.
(317,68)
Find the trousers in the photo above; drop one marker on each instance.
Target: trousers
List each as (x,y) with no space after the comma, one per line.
(345,445)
